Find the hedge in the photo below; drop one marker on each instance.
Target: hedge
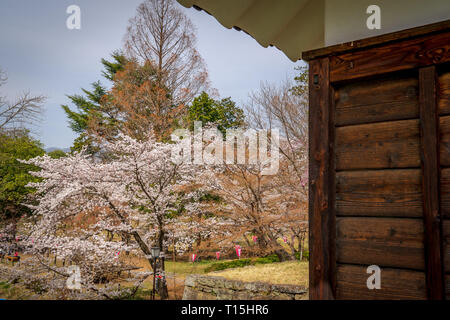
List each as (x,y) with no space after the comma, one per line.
(218,266)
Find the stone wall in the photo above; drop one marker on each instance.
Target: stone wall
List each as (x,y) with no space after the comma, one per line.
(200,287)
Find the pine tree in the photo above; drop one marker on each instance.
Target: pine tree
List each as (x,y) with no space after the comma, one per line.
(90,105)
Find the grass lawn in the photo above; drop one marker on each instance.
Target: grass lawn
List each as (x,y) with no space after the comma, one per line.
(176,271)
(185,268)
(180,268)
(291,272)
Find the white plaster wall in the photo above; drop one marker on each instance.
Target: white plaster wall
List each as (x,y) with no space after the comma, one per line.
(345,20)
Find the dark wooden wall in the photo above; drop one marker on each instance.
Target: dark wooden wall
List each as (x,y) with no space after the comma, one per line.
(380,168)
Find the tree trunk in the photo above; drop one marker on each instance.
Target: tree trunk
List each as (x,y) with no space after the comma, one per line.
(163,292)
(174,252)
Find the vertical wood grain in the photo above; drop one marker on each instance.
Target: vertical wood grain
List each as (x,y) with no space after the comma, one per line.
(321,183)
(430,182)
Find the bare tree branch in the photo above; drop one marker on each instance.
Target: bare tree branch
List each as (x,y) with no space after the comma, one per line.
(162,34)
(26,110)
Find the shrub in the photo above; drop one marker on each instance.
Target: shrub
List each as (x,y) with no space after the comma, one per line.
(305,255)
(4,285)
(218,266)
(269,259)
(228,264)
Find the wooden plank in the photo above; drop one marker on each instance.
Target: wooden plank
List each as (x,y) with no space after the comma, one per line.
(381,145)
(332,191)
(444,94)
(387,99)
(396,284)
(378,193)
(445,193)
(430,181)
(387,242)
(447,286)
(444,141)
(446,245)
(377,40)
(409,54)
(321,214)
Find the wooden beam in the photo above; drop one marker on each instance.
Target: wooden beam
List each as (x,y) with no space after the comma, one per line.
(321,183)
(377,40)
(404,55)
(430,182)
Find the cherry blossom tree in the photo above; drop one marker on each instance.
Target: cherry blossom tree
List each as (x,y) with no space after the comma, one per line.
(285,106)
(134,197)
(261,193)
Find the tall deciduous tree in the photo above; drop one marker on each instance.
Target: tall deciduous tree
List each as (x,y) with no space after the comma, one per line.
(143,105)
(162,34)
(257,205)
(285,107)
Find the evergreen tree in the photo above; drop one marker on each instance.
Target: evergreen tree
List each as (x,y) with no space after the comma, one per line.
(223,113)
(14,175)
(89,106)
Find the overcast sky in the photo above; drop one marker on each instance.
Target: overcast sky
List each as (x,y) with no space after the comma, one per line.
(40,54)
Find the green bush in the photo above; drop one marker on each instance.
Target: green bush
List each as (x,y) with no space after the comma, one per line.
(218,266)
(269,259)
(228,265)
(305,255)
(4,285)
